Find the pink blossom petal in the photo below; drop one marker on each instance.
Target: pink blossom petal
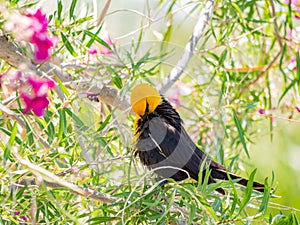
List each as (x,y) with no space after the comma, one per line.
(17,213)
(37,104)
(40,37)
(40,23)
(42,43)
(273,119)
(261,111)
(93,50)
(24,218)
(297,17)
(104,50)
(298,109)
(40,86)
(27,100)
(176,100)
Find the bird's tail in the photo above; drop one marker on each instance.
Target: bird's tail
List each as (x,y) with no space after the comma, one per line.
(223,174)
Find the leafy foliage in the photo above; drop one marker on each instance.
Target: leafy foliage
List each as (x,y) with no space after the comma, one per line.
(241,64)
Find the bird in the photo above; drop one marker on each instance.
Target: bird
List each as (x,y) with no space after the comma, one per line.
(164,146)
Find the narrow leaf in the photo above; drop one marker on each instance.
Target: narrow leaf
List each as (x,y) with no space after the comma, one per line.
(241,132)
(62,123)
(248,191)
(68,45)
(286,90)
(10,142)
(96,38)
(72,8)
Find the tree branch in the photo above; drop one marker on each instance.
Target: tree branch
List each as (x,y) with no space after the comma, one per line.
(11,54)
(104,11)
(55,181)
(188,51)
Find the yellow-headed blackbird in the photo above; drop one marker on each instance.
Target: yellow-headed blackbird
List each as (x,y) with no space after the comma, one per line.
(164,146)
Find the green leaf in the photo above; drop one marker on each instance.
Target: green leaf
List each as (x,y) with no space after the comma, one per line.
(235,200)
(104,123)
(286,90)
(223,57)
(72,8)
(10,142)
(29,135)
(171,201)
(104,144)
(61,85)
(240,132)
(298,69)
(59,9)
(93,36)
(248,191)
(102,219)
(115,77)
(96,38)
(192,213)
(8,133)
(62,123)
(78,122)
(265,200)
(68,45)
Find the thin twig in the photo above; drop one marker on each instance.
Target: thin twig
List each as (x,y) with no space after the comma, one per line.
(55,181)
(188,51)
(104,11)
(13,56)
(270,65)
(17,118)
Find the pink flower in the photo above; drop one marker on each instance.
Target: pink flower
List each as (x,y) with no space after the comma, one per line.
(40,86)
(93,50)
(24,218)
(32,27)
(11,78)
(38,102)
(293,36)
(104,50)
(293,63)
(175,99)
(298,109)
(42,43)
(39,21)
(181,90)
(261,111)
(40,37)
(295,5)
(101,49)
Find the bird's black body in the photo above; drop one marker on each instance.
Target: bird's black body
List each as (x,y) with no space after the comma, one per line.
(164,146)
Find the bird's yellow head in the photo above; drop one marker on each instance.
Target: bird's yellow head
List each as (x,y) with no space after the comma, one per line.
(143,95)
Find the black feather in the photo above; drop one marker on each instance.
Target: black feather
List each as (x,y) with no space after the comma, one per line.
(164,145)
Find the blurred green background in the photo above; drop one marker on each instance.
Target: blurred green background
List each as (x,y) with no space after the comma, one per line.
(280,156)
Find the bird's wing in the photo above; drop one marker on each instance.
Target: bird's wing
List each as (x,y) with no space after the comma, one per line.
(176,147)
(178,150)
